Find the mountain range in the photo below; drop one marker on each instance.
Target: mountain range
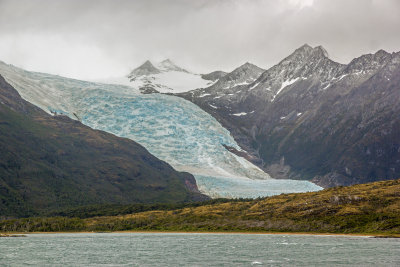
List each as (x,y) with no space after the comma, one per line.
(309,117)
(252,132)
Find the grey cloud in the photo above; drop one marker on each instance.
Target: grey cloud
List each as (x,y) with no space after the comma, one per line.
(93,39)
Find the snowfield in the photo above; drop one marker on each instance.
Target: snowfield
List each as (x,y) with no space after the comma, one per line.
(165,77)
(172,82)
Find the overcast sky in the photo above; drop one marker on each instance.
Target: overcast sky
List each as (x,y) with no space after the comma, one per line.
(93,39)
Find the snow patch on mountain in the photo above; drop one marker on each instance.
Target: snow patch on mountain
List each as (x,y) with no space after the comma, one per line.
(254,86)
(204,95)
(171,82)
(240,114)
(284,84)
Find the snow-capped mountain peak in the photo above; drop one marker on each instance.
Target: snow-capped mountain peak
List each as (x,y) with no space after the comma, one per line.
(162,77)
(304,62)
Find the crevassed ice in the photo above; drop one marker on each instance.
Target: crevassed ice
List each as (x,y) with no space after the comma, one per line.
(171,128)
(248,188)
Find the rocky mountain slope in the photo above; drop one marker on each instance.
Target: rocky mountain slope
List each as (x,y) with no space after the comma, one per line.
(214,76)
(50,162)
(309,117)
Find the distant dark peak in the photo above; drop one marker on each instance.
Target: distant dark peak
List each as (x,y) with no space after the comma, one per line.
(305,48)
(370,62)
(396,55)
(304,55)
(213,76)
(381,53)
(320,50)
(300,53)
(147,64)
(378,56)
(249,66)
(145,69)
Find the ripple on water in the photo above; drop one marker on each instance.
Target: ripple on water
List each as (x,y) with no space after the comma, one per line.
(171,249)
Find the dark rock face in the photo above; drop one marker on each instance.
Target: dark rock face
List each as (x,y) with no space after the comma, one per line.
(242,75)
(214,76)
(49,162)
(309,117)
(228,84)
(146,68)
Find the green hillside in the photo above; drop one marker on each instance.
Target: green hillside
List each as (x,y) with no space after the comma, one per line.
(372,208)
(52,162)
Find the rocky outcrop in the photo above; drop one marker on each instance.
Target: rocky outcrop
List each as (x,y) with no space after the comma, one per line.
(214,76)
(147,68)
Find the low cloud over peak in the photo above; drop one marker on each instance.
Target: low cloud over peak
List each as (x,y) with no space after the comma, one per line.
(95,39)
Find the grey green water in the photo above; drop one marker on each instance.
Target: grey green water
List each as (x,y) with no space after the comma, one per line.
(172,249)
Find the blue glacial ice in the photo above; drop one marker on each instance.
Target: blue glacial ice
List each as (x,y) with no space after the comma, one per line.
(171,128)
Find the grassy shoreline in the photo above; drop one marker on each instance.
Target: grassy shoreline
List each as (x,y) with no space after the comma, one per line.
(211,232)
(366,209)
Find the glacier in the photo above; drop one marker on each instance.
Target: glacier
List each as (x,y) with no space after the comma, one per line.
(171,128)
